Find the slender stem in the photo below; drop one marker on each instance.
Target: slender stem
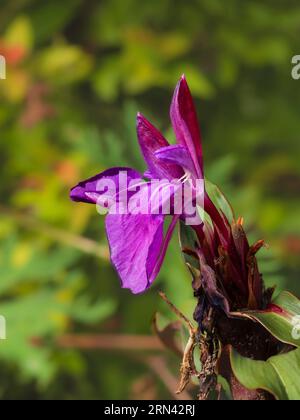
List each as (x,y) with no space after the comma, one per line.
(178,313)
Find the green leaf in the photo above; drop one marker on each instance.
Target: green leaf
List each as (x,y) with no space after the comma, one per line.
(282,319)
(279,375)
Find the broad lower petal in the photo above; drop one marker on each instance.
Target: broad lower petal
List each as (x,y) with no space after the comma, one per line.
(138,248)
(135,244)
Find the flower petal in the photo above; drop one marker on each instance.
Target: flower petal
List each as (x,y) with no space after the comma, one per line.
(135,245)
(90,190)
(151,140)
(185,124)
(156,268)
(138,247)
(176,154)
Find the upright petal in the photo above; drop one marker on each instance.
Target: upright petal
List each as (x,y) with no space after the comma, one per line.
(185,124)
(151,140)
(89,191)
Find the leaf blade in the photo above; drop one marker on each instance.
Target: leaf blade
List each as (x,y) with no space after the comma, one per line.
(279,375)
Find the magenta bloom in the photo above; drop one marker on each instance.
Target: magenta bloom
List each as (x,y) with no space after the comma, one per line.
(137,242)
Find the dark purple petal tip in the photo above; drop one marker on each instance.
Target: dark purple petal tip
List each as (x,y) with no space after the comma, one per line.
(90,190)
(185,123)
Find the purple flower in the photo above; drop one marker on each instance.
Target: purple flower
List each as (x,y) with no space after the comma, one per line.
(137,242)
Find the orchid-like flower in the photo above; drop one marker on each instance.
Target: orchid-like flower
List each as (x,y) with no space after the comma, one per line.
(137,241)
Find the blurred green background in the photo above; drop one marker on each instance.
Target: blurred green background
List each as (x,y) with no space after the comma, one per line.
(77,73)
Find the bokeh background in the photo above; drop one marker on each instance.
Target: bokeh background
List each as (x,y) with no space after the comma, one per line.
(77,73)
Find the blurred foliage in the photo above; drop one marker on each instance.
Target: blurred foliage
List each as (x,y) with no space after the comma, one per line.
(77,74)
